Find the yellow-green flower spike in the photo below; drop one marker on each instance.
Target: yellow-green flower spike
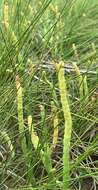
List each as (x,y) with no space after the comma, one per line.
(75,52)
(6,14)
(34,137)
(79,79)
(55,125)
(20,115)
(67,124)
(85,85)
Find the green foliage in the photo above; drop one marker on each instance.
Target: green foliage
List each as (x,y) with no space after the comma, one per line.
(39,147)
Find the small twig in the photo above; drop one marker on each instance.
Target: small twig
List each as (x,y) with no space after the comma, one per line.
(68,68)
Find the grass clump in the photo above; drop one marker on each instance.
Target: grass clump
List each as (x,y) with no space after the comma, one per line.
(48,116)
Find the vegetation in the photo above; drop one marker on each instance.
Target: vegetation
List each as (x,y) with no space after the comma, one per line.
(48,95)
